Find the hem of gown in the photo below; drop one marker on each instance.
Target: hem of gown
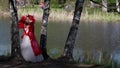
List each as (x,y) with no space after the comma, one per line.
(27,51)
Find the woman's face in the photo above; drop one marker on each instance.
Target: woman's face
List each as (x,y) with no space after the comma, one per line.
(27,21)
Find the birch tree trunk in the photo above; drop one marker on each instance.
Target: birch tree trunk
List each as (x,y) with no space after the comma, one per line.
(104,7)
(43,36)
(92,4)
(15,31)
(118,6)
(69,45)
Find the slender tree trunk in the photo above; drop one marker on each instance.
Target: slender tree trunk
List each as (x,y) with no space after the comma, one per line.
(100,56)
(118,6)
(69,45)
(104,7)
(15,31)
(92,4)
(43,36)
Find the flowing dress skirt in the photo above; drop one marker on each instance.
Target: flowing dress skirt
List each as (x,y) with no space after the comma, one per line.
(27,51)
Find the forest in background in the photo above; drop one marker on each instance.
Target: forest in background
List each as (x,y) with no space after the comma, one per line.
(91,8)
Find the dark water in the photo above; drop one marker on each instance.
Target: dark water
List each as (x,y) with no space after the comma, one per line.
(93,39)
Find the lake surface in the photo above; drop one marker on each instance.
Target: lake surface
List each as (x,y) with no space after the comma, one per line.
(5,39)
(92,39)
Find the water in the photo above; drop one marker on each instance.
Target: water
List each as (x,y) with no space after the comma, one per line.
(93,39)
(57,34)
(5,42)
(96,39)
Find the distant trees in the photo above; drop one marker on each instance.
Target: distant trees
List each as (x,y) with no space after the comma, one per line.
(105,5)
(36,1)
(94,3)
(61,2)
(118,6)
(29,3)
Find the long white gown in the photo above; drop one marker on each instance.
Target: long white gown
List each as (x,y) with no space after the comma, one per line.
(27,51)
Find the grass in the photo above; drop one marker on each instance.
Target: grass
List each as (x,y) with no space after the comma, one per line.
(91,14)
(105,63)
(88,14)
(60,14)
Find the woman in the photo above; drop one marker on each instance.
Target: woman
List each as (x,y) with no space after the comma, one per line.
(30,49)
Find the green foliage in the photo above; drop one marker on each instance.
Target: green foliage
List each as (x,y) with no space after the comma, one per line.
(54,4)
(109,1)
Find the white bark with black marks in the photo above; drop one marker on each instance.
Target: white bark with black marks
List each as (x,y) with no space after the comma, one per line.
(118,6)
(95,4)
(43,36)
(69,45)
(104,7)
(92,4)
(14,31)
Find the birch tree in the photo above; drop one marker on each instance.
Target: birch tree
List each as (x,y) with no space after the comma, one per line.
(118,6)
(69,45)
(14,31)
(92,4)
(95,4)
(104,7)
(43,36)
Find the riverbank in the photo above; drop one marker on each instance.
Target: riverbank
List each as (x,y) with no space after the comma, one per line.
(62,16)
(50,63)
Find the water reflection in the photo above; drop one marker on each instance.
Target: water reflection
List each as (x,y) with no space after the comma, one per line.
(116,57)
(99,39)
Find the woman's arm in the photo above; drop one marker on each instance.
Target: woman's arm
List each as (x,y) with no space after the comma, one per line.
(21,22)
